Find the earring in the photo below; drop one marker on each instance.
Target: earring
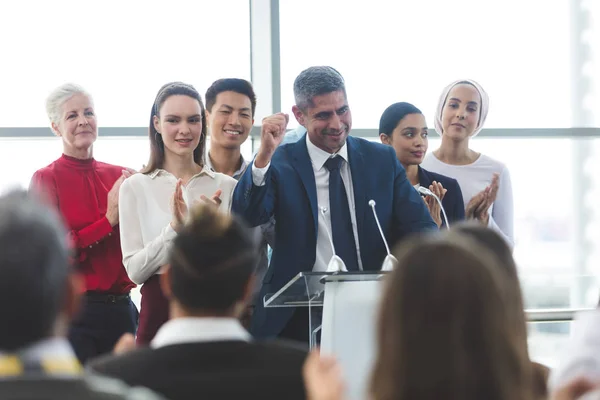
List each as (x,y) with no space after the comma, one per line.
(157,137)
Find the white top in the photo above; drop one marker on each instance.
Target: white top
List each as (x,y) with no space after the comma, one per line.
(196,329)
(145,215)
(318,158)
(473,178)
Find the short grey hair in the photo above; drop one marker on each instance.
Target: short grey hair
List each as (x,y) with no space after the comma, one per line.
(316,81)
(59,96)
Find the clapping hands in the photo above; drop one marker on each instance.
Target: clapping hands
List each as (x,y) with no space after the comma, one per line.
(479,205)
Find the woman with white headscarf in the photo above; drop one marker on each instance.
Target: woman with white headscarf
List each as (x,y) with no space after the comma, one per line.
(485,182)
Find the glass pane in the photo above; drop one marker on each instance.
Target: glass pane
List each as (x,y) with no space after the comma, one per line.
(122,53)
(307,288)
(408,51)
(591,50)
(547,342)
(129,152)
(545,185)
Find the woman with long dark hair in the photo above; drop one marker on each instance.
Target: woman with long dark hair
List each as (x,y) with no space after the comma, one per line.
(154,204)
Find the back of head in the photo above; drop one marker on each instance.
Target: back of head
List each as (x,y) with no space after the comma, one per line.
(393,115)
(212,261)
(444,329)
(33,270)
(316,81)
(236,85)
(494,243)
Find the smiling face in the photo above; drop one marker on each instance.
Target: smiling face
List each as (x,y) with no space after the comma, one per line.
(180,125)
(230,119)
(77,125)
(461,112)
(328,120)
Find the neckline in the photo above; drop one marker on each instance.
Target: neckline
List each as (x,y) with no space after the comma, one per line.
(78,163)
(477,160)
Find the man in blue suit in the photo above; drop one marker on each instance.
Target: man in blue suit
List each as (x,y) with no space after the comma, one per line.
(323,182)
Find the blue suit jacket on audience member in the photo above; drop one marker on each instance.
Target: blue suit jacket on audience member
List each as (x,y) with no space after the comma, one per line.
(452,201)
(290,195)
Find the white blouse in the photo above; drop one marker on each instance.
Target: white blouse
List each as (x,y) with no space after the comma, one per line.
(472,179)
(145,214)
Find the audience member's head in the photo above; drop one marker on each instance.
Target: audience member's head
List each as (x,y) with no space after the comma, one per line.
(38,293)
(403,126)
(462,109)
(444,326)
(212,265)
(230,107)
(492,241)
(322,107)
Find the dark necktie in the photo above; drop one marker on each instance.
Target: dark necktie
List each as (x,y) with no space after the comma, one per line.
(341,223)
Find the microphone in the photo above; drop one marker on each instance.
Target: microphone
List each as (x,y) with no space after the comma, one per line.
(390,261)
(426,192)
(336,264)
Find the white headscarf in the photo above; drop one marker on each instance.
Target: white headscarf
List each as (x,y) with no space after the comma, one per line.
(483,110)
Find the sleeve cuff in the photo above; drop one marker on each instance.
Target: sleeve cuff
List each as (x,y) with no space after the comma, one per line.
(169,233)
(259,174)
(93,234)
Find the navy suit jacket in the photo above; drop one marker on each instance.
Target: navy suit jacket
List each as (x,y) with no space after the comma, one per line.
(452,201)
(290,194)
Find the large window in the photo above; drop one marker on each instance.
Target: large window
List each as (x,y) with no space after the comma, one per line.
(122,52)
(391,51)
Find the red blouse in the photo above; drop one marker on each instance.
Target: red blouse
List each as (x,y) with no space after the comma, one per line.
(79,190)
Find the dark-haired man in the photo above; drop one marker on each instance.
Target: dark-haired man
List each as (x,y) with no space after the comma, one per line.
(230,108)
(323,183)
(203,352)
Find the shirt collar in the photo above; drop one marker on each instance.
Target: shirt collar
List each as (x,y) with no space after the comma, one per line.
(205,170)
(237,174)
(319,156)
(197,329)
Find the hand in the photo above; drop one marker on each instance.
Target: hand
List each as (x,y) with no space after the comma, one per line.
(432,204)
(179,208)
(574,389)
(112,203)
(475,202)
(271,134)
(214,200)
(480,208)
(322,377)
(125,344)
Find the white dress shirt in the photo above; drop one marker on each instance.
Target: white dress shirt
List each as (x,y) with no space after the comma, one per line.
(318,158)
(199,329)
(145,214)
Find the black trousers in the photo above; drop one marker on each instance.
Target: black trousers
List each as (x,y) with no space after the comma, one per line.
(102,321)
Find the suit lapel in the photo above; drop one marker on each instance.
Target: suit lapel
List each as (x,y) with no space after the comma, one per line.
(303,165)
(358,168)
